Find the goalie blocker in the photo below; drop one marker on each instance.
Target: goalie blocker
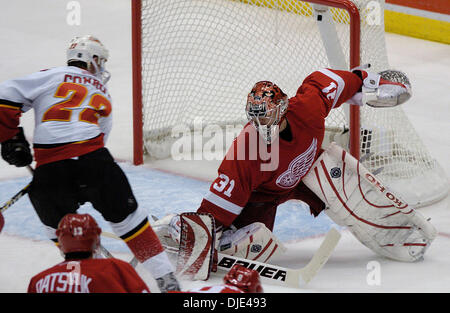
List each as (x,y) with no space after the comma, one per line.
(198,245)
(195,238)
(375,215)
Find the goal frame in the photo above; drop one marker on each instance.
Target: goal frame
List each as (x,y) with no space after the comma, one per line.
(136,24)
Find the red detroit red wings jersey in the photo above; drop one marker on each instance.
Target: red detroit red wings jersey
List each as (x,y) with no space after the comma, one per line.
(251,172)
(88,276)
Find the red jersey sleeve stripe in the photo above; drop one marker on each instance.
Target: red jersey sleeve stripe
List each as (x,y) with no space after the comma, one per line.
(340,83)
(223,203)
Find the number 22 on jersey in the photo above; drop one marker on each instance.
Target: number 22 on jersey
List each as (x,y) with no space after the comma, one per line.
(75,93)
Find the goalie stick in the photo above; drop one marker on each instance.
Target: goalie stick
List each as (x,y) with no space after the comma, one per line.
(274,274)
(289,277)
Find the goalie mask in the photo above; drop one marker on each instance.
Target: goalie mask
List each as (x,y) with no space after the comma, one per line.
(78,233)
(90,50)
(266,106)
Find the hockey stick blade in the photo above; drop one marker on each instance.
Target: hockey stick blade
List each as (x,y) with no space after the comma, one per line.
(321,256)
(295,278)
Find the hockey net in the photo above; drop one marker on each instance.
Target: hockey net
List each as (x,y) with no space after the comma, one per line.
(196,60)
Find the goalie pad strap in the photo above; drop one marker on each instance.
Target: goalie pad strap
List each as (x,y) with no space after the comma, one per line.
(254,242)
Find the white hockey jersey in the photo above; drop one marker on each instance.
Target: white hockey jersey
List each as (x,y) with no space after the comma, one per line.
(72,111)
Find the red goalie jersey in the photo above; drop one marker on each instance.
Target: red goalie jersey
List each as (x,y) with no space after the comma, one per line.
(88,276)
(253,179)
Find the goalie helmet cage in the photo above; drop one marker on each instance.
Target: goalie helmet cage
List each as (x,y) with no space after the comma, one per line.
(194,62)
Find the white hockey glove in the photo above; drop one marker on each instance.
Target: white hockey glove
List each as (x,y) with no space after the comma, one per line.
(386,89)
(254,242)
(175,228)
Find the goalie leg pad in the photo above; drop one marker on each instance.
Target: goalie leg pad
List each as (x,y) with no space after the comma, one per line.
(254,242)
(377,216)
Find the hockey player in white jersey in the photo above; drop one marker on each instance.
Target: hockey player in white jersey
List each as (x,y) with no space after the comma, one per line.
(73,118)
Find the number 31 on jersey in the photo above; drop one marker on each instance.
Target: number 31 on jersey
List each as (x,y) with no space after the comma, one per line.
(224,185)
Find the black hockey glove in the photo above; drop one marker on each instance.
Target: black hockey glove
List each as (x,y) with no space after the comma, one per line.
(16,151)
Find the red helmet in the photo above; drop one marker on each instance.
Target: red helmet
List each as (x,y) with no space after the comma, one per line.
(244,278)
(266,106)
(78,233)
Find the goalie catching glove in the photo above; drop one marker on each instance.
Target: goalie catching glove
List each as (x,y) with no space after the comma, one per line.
(386,89)
(359,200)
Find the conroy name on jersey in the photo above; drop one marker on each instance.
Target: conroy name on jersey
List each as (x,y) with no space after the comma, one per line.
(85,80)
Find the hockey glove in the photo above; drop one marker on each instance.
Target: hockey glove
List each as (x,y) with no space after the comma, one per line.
(16,151)
(385,89)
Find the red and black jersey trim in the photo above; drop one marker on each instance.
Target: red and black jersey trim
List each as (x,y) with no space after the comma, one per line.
(56,145)
(47,153)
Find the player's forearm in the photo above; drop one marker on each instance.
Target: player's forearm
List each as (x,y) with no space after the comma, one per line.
(334,86)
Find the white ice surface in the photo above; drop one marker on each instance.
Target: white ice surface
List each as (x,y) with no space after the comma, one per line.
(34,35)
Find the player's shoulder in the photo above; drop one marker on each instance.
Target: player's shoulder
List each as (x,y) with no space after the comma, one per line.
(65,69)
(47,74)
(113,262)
(50,270)
(53,70)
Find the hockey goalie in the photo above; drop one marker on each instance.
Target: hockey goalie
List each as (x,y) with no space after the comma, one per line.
(250,185)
